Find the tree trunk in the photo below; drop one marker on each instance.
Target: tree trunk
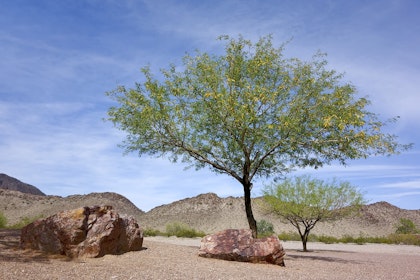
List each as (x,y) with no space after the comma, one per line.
(248,209)
(304,238)
(304,241)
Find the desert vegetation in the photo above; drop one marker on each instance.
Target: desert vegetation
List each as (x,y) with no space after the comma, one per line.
(23,222)
(3,220)
(266,228)
(304,201)
(181,230)
(405,234)
(375,223)
(249,113)
(407,226)
(175,229)
(395,238)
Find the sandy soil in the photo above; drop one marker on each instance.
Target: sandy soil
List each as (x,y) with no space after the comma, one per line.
(176,258)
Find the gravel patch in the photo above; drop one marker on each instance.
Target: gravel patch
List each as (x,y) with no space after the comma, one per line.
(177,258)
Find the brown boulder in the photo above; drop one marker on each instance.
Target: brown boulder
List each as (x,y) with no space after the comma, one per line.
(239,245)
(84,232)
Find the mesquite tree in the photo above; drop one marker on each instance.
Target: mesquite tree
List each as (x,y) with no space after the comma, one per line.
(247,113)
(304,201)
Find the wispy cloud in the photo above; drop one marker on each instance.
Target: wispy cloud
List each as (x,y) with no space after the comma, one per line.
(56,62)
(65,148)
(415,184)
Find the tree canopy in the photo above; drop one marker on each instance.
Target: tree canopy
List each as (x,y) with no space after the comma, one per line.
(247,113)
(304,201)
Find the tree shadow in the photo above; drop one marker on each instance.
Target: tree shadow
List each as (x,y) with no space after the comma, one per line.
(311,255)
(319,251)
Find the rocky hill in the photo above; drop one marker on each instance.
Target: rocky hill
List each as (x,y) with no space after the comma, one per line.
(10,183)
(17,205)
(206,212)
(210,213)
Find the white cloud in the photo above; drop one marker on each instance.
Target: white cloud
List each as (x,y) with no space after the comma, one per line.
(52,80)
(415,184)
(65,149)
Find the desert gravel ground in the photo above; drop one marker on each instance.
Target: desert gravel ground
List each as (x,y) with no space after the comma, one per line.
(176,258)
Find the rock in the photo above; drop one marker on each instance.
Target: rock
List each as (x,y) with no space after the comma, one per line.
(239,245)
(84,232)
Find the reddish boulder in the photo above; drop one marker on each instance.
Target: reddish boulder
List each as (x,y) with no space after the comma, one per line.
(239,245)
(84,232)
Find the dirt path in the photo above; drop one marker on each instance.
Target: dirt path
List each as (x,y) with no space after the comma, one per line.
(176,258)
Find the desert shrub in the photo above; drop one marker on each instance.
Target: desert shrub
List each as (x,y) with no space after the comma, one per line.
(152,232)
(265,228)
(312,238)
(350,239)
(379,240)
(325,239)
(182,230)
(406,226)
(25,221)
(289,236)
(406,239)
(3,220)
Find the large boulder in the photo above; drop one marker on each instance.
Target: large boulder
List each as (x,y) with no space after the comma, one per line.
(239,245)
(84,232)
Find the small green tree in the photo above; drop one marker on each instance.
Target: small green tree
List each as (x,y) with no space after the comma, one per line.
(406,226)
(304,201)
(249,113)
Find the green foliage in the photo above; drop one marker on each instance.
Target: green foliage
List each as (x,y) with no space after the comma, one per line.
(350,239)
(289,236)
(324,239)
(174,229)
(406,226)
(375,239)
(3,220)
(153,232)
(406,239)
(249,106)
(182,230)
(304,201)
(308,199)
(25,221)
(265,228)
(249,112)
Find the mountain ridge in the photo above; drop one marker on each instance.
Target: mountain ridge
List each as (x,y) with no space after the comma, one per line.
(17,206)
(210,213)
(9,183)
(205,212)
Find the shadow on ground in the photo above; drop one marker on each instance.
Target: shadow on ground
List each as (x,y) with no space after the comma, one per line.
(317,255)
(10,250)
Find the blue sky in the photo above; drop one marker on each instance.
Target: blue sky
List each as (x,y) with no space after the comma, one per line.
(58,58)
